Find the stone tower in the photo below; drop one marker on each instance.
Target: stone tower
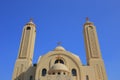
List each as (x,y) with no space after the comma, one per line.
(25,55)
(93,53)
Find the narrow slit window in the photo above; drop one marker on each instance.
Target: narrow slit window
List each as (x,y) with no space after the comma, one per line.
(87,77)
(31,78)
(74,73)
(44,71)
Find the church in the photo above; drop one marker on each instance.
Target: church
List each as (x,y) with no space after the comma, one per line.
(59,64)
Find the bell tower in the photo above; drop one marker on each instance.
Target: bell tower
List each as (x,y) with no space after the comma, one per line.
(27,42)
(91,41)
(93,53)
(25,54)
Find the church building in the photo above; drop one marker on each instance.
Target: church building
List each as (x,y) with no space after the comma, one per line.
(59,64)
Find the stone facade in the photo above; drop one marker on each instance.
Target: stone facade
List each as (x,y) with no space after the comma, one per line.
(59,64)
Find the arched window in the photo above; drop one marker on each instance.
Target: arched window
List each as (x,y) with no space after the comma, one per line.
(28,28)
(44,71)
(31,78)
(87,78)
(91,27)
(59,61)
(74,73)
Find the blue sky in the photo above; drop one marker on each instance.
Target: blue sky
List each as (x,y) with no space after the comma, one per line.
(60,20)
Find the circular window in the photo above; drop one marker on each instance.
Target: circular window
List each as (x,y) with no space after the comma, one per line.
(58,73)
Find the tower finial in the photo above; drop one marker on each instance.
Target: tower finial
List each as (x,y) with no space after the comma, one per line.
(88,22)
(59,43)
(87,19)
(31,19)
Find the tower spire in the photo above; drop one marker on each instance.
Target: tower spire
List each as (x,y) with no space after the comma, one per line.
(31,19)
(30,22)
(59,43)
(88,22)
(87,19)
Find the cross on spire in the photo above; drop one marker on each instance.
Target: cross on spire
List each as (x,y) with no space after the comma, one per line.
(59,43)
(87,19)
(31,19)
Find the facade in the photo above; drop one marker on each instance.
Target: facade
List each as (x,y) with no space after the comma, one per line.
(59,64)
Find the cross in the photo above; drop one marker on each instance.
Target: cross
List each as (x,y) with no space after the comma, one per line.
(87,19)
(31,19)
(59,43)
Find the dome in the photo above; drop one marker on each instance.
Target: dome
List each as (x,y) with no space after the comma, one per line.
(58,67)
(59,48)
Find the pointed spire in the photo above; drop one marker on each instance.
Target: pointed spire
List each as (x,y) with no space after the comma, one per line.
(87,19)
(59,43)
(31,21)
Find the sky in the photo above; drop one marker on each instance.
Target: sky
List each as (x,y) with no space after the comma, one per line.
(60,20)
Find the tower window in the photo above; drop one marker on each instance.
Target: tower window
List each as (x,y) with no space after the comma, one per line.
(28,28)
(59,61)
(74,73)
(31,78)
(44,71)
(87,78)
(91,27)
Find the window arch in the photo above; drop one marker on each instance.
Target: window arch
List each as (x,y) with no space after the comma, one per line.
(28,28)
(87,77)
(44,71)
(74,73)
(91,27)
(31,77)
(59,61)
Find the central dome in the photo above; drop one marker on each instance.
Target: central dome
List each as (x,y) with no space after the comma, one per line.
(59,48)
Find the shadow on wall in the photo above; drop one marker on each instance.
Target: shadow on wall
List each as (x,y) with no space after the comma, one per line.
(29,74)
